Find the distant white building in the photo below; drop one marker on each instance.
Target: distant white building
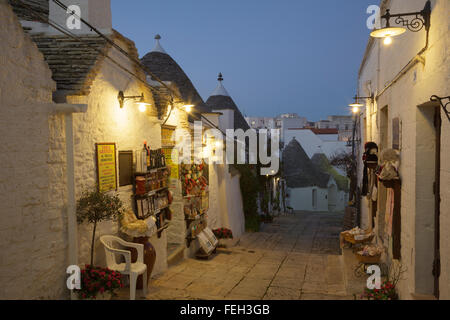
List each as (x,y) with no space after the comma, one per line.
(283,122)
(313,140)
(344,125)
(312,185)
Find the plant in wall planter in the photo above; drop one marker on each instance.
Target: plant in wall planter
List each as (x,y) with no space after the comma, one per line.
(94,207)
(99,283)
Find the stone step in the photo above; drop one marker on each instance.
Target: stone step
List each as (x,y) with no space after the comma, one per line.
(176,256)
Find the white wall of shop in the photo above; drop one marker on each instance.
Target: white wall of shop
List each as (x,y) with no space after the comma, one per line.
(413,89)
(33,244)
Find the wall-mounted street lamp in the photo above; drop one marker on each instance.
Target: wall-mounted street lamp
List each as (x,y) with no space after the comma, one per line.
(187,107)
(141,101)
(419,20)
(443,105)
(356,106)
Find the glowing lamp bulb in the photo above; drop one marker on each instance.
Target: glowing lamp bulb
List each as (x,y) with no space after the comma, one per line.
(188,108)
(142,107)
(387,41)
(355,110)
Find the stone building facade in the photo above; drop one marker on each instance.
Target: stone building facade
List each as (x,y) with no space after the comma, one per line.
(59,97)
(32,238)
(402,117)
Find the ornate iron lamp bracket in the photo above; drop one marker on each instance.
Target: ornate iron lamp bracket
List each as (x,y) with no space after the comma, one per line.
(443,105)
(417,21)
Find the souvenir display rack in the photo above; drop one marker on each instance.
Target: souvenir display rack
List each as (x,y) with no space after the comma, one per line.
(151,196)
(195,210)
(194,178)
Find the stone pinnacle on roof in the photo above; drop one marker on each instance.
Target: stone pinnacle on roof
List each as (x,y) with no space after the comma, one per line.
(220,90)
(158,47)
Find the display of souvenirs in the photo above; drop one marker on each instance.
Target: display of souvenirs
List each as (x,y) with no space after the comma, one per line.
(205,243)
(194,179)
(388,169)
(160,201)
(196,228)
(147,159)
(192,207)
(211,236)
(358,235)
(371,251)
(370,160)
(134,227)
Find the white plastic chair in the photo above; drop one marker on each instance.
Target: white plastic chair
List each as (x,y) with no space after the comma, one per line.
(127,268)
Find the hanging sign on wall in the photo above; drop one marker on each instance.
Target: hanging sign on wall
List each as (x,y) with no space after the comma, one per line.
(106,166)
(171,155)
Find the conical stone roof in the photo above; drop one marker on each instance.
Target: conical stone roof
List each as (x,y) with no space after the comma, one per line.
(299,170)
(220,100)
(166,69)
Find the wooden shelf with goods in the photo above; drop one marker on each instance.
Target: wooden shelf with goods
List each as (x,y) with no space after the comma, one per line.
(151,192)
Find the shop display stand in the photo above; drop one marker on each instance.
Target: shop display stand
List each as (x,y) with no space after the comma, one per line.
(162,223)
(200,218)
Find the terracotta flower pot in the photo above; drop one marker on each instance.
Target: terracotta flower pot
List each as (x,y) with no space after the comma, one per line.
(149,258)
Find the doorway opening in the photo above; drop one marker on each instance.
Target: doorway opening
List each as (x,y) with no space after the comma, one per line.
(426,175)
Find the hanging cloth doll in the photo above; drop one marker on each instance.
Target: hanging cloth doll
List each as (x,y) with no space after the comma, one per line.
(370,160)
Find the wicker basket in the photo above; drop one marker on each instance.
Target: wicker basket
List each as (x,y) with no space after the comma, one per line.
(368,259)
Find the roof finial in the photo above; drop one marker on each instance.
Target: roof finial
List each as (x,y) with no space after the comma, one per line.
(158,47)
(220,90)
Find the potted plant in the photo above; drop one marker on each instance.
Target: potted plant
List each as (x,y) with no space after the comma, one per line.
(94,207)
(387,291)
(99,283)
(224,235)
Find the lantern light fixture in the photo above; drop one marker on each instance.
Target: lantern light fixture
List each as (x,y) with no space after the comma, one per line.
(188,107)
(417,22)
(141,102)
(356,106)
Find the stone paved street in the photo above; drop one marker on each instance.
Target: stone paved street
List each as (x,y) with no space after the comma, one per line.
(295,258)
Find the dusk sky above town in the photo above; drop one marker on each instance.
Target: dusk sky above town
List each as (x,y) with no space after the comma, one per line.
(286,56)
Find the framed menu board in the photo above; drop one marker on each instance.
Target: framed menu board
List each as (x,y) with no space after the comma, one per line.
(106,166)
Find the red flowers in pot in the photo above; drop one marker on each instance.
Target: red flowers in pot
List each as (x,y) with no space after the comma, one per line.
(96,280)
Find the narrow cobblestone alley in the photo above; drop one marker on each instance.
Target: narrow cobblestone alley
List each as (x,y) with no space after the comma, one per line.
(296,257)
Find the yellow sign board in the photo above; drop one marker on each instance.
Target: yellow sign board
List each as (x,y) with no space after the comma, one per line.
(106,166)
(171,155)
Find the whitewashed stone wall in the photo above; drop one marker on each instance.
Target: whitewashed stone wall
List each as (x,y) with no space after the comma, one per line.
(414,88)
(33,246)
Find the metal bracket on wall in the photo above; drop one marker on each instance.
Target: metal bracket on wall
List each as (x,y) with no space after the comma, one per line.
(444,105)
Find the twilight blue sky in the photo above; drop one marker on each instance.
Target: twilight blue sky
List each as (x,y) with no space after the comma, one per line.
(277,56)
